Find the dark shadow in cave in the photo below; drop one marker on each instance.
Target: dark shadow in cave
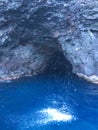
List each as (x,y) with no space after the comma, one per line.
(58,64)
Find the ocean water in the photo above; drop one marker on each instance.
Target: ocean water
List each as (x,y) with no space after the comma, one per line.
(49,102)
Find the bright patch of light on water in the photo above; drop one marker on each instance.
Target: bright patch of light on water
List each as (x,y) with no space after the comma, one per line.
(55,115)
(42,117)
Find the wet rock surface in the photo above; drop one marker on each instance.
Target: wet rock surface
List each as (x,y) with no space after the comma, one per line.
(33,31)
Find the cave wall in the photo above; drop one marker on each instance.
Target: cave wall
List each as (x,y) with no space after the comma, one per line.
(33,31)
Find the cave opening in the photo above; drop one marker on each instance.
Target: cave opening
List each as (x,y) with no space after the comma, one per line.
(58,64)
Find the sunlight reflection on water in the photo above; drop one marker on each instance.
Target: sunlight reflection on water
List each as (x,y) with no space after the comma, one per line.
(54,115)
(42,117)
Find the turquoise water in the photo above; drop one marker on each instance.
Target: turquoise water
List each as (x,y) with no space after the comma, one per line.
(49,102)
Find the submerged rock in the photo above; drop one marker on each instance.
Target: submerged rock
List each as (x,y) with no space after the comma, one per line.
(33,31)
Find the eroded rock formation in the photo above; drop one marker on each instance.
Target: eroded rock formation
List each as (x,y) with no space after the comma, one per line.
(33,31)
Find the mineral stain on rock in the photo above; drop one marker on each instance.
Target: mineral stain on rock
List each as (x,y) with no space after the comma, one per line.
(33,31)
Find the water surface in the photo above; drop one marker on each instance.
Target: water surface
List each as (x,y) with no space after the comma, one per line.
(49,102)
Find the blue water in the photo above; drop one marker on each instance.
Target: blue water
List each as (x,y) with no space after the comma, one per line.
(49,102)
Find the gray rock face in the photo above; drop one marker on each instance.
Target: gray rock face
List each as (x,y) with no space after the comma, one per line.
(32,31)
(25,45)
(80,45)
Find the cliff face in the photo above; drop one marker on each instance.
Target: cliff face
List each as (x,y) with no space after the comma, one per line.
(26,46)
(33,31)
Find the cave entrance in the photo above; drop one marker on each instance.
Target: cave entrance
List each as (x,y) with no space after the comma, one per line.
(58,64)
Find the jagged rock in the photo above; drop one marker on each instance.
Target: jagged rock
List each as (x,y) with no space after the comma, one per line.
(32,31)
(81,42)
